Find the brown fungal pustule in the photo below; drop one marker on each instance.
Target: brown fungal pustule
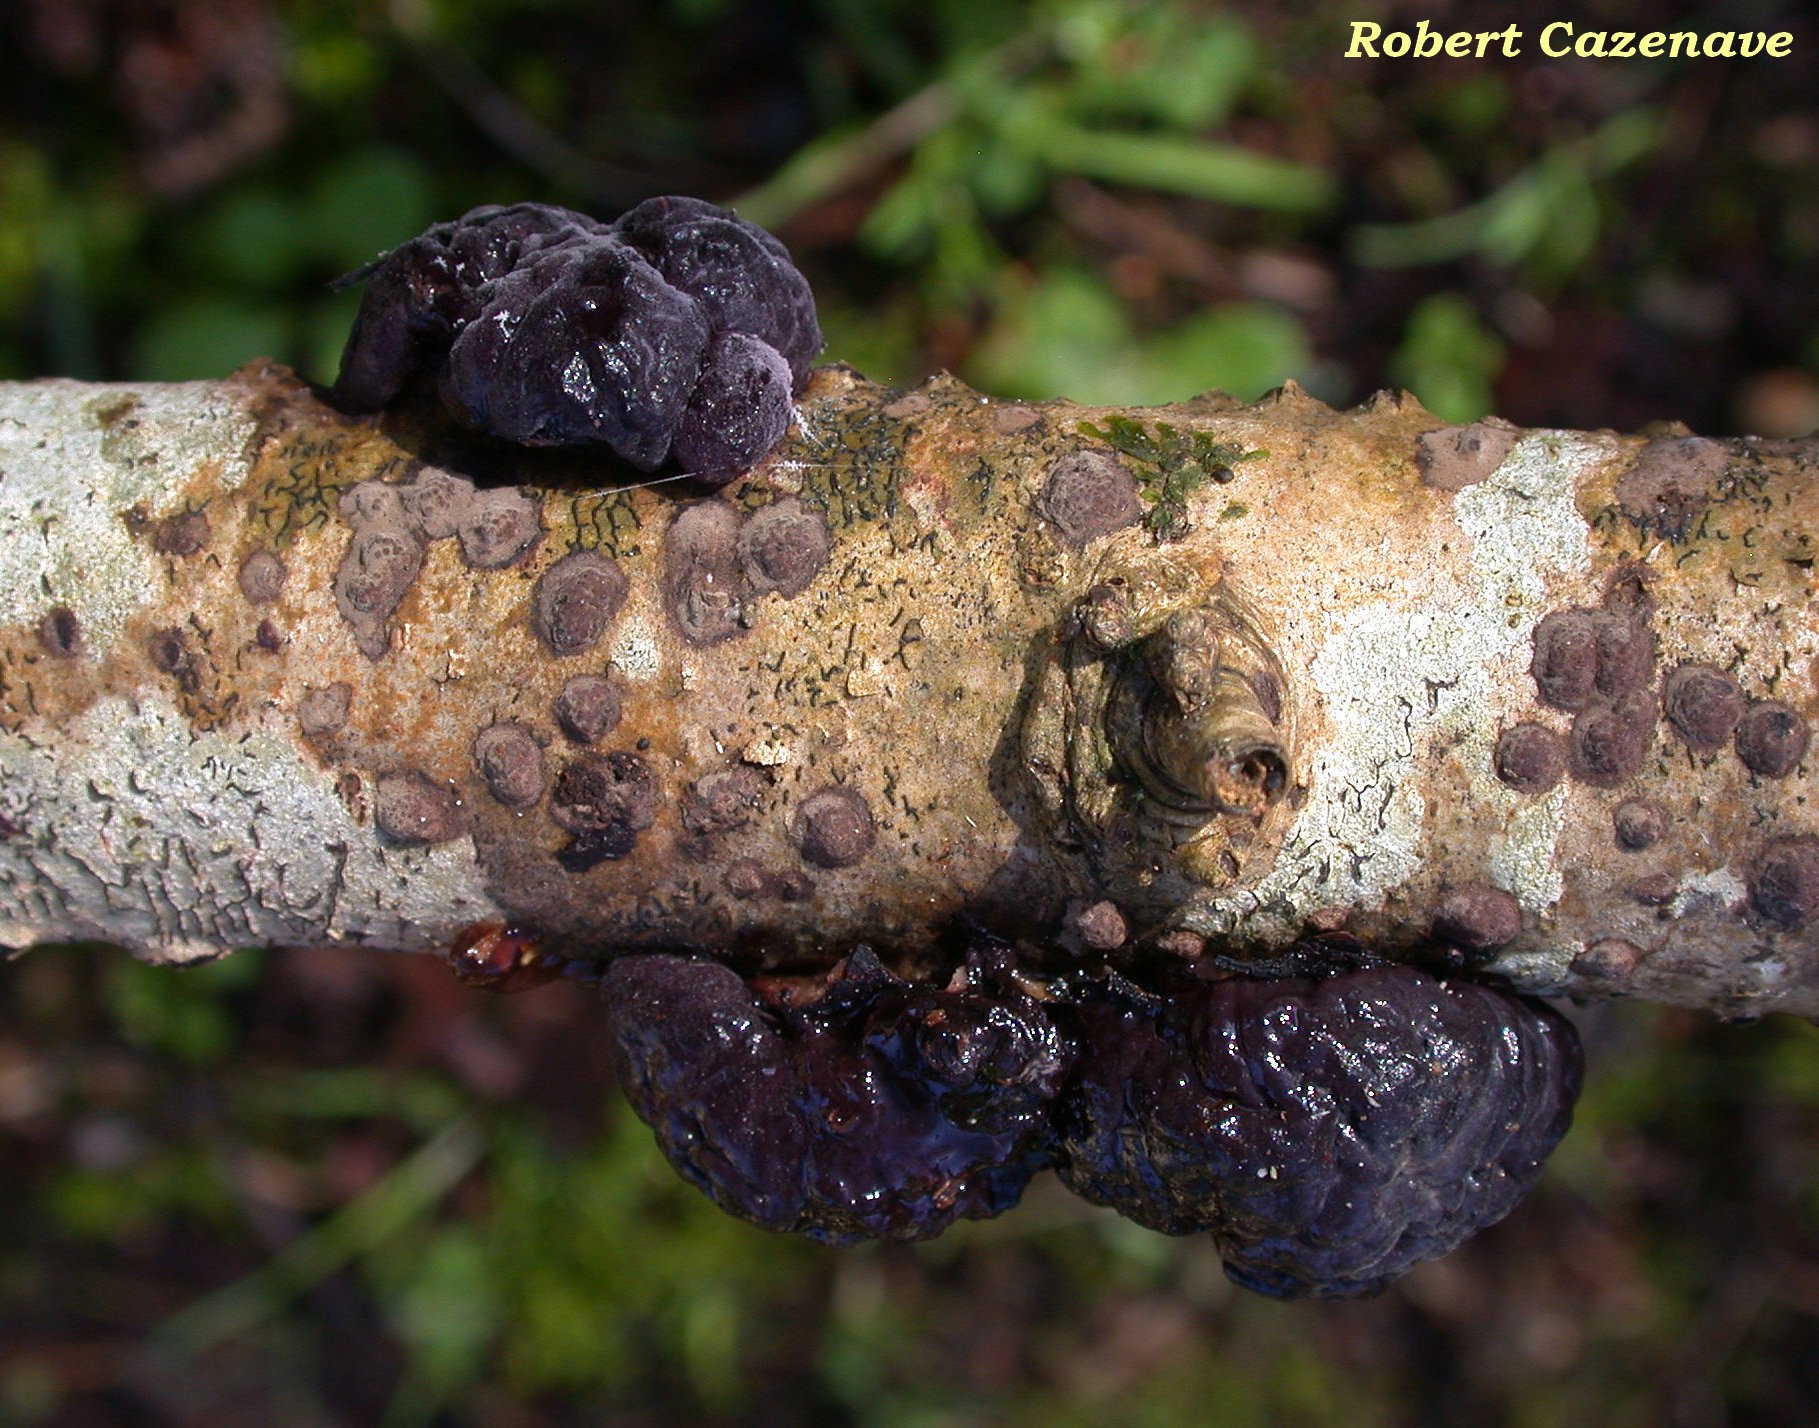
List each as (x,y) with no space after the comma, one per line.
(1459,456)
(1771,738)
(1656,890)
(1784,882)
(1610,742)
(261,577)
(511,761)
(183,534)
(499,528)
(373,502)
(322,712)
(1181,944)
(60,632)
(833,828)
(1626,654)
(1609,959)
(1638,823)
(605,800)
(722,801)
(1089,494)
(268,637)
(169,650)
(1704,705)
(1099,926)
(703,584)
(588,708)
(1477,919)
(745,878)
(575,600)
(1565,662)
(381,562)
(436,501)
(1530,758)
(1671,484)
(409,807)
(783,546)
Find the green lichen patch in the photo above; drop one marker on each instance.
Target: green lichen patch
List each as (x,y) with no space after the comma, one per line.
(1171,465)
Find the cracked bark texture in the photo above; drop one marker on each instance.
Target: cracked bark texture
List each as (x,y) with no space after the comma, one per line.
(273,675)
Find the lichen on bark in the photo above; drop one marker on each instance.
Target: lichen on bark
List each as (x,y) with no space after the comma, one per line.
(270,673)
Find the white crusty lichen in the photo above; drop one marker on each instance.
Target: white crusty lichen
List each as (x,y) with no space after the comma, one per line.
(180,845)
(1399,683)
(124,447)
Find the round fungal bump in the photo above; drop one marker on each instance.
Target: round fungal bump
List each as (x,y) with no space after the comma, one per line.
(1478,919)
(1609,959)
(1459,456)
(1671,484)
(511,761)
(60,632)
(169,650)
(1784,883)
(499,528)
(410,808)
(833,828)
(783,546)
(1626,654)
(607,796)
(1101,927)
(323,712)
(436,500)
(1704,705)
(575,600)
(1639,823)
(1565,663)
(1530,758)
(703,584)
(261,577)
(1610,742)
(1089,494)
(588,708)
(183,534)
(1772,738)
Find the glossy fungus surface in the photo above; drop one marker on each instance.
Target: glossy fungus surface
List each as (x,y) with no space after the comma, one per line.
(881,1110)
(1330,1134)
(678,332)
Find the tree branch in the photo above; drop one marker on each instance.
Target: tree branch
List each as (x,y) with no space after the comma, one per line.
(1533,699)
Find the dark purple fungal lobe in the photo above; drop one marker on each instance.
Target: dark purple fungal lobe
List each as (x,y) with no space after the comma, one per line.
(1671,484)
(575,600)
(60,632)
(183,534)
(1478,919)
(1089,494)
(323,712)
(1565,662)
(511,761)
(261,577)
(782,547)
(588,708)
(1459,456)
(411,808)
(436,501)
(1704,705)
(703,585)
(1530,758)
(1610,959)
(499,528)
(739,410)
(883,1111)
(1639,823)
(1610,742)
(606,801)
(1772,738)
(741,275)
(1784,883)
(1329,1134)
(833,828)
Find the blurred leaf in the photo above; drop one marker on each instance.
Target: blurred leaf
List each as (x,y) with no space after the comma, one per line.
(1220,172)
(365,204)
(1063,335)
(448,1310)
(1241,348)
(180,1010)
(251,236)
(1449,359)
(207,336)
